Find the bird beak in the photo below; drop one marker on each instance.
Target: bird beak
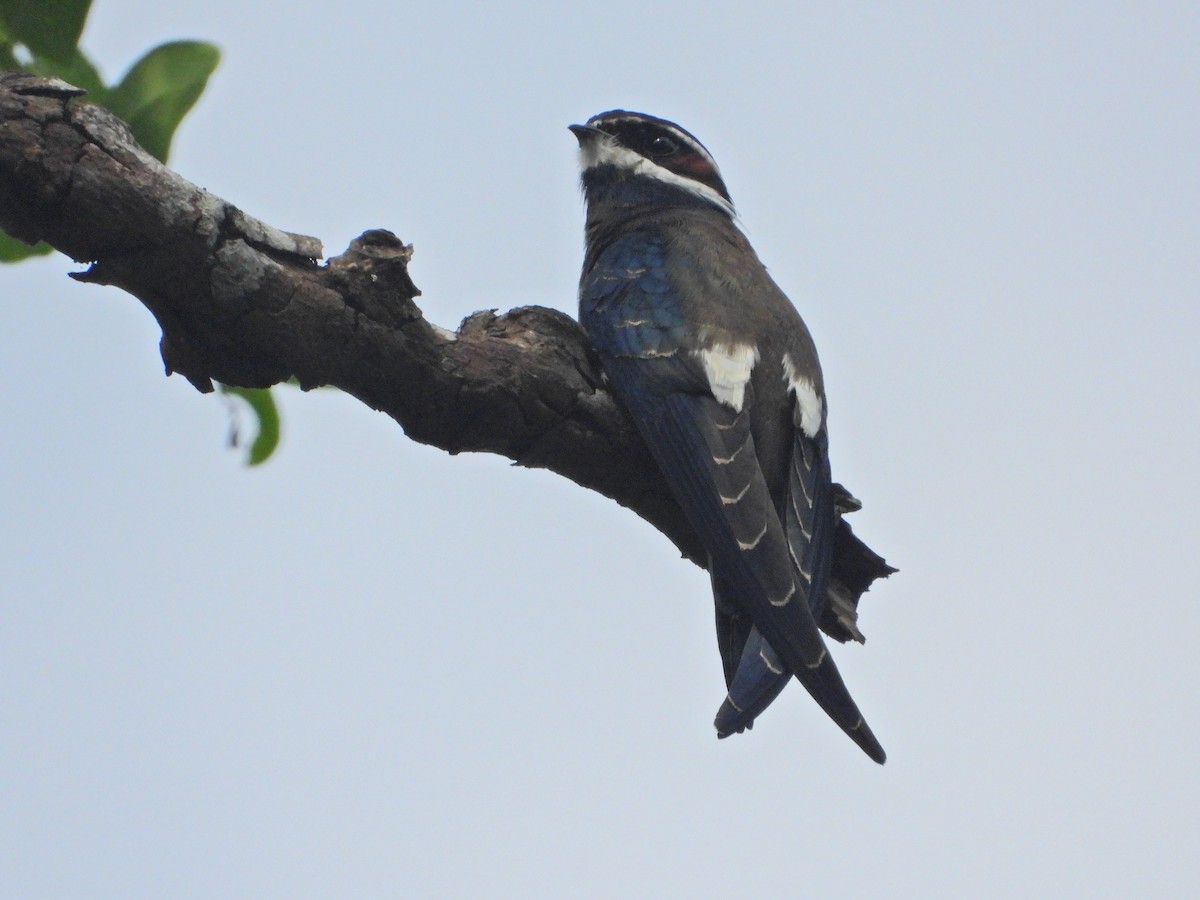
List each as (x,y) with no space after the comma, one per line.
(585,133)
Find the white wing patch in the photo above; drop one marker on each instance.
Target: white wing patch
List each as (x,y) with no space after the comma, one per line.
(809,405)
(604,150)
(728,368)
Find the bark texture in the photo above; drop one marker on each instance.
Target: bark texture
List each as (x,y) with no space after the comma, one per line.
(244,303)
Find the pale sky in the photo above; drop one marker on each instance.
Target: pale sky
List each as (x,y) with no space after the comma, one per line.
(371,669)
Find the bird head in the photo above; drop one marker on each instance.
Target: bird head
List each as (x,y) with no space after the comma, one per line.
(631,159)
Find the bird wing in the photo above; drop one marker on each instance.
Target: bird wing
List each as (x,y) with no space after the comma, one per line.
(755,674)
(705,450)
(808,516)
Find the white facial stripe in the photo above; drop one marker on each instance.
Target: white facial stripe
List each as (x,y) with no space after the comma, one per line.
(606,151)
(808,404)
(728,369)
(680,135)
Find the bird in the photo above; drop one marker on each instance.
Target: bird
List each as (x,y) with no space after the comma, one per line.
(720,375)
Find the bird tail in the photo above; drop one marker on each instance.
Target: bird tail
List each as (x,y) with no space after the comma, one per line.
(760,676)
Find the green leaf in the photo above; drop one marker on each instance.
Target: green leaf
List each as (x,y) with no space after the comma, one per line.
(49,28)
(12,250)
(158,91)
(262,404)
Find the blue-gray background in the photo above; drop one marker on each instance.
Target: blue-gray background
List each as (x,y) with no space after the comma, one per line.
(372,669)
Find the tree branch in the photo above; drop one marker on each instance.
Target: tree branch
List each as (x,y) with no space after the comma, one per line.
(246,304)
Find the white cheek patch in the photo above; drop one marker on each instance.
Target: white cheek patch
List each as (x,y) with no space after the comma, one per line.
(605,151)
(810,410)
(728,368)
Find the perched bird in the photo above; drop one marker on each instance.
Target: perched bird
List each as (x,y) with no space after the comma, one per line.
(721,377)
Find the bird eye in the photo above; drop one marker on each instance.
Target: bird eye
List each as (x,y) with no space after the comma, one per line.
(662,146)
